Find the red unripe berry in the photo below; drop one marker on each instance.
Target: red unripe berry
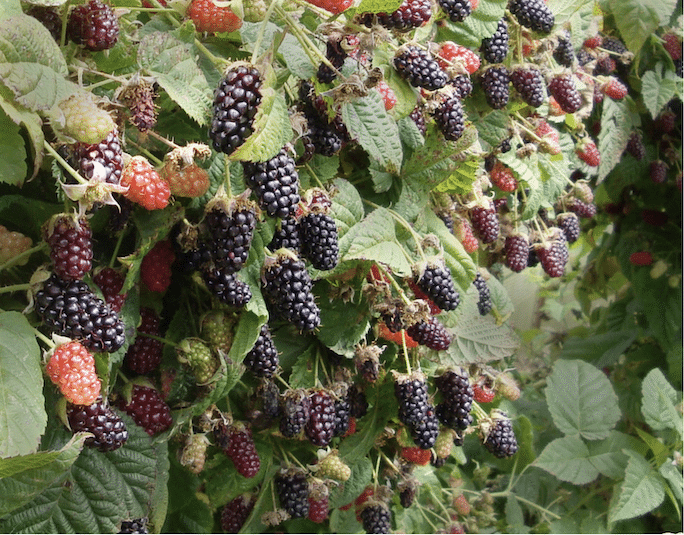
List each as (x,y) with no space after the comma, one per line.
(642,258)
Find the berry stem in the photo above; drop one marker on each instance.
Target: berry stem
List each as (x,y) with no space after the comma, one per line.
(144,151)
(315,55)
(112,260)
(21,256)
(44,338)
(394,283)
(163,139)
(64,164)
(313,174)
(226,171)
(15,288)
(262,29)
(438,501)
(544,510)
(282,381)
(406,355)
(479,411)
(159,339)
(422,512)
(218,62)
(389,461)
(289,454)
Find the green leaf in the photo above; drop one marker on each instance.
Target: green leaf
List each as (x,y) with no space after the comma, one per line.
(636,20)
(13,168)
(659,400)
(35,86)
(409,133)
(31,121)
(100,491)
(657,90)
(493,128)
(22,406)
(25,39)
(347,206)
(563,10)
(461,180)
(27,213)
(642,490)
(378,6)
(567,458)
(616,126)
(608,455)
(602,349)
(581,400)
(9,8)
(514,515)
(660,450)
(368,123)
(264,502)
(22,478)
(673,478)
(361,475)
(343,324)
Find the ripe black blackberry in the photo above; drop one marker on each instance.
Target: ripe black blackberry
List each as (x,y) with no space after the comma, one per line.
(358,404)
(568,222)
(235,104)
(494,81)
(418,117)
(231,227)
(485,223)
(564,54)
(563,89)
(287,287)
(325,138)
(71,309)
(93,25)
(516,250)
(436,281)
(226,286)
(336,55)
(342,412)
(235,513)
(457,10)
(292,488)
(529,83)
(448,220)
(269,393)
(275,184)
(108,428)
(412,396)
(137,525)
(431,334)
(410,14)
(318,235)
(107,153)
(584,57)
(419,69)
(450,119)
(71,246)
(533,14)
(635,146)
(454,411)
(425,432)
(495,48)
(484,302)
(295,412)
(462,84)
(286,235)
(614,46)
(376,518)
(48,17)
(501,439)
(320,428)
(262,359)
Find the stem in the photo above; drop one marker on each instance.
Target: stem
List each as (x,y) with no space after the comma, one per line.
(283,382)
(314,54)
(262,29)
(154,134)
(376,471)
(439,502)
(422,512)
(296,460)
(313,174)
(389,461)
(406,356)
(144,151)
(43,338)
(15,288)
(159,339)
(479,411)
(218,62)
(226,172)
(416,237)
(394,283)
(531,504)
(21,256)
(116,248)
(315,375)
(64,164)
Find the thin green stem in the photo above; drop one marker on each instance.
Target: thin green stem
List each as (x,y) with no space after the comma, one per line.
(311,50)
(112,260)
(394,283)
(416,237)
(439,502)
(315,375)
(422,512)
(536,506)
(296,460)
(282,381)
(144,151)
(159,339)
(479,411)
(226,176)
(376,471)
(262,29)
(43,338)
(168,142)
(406,355)
(21,256)
(313,174)
(219,63)
(389,461)
(15,288)
(64,164)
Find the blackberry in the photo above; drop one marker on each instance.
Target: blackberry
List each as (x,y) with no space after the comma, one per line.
(325,139)
(71,246)
(358,404)
(412,396)
(145,354)
(137,525)
(505,145)
(553,256)
(336,55)
(449,118)
(111,283)
(286,235)
(457,10)
(418,117)
(614,45)
(293,493)
(320,428)
(425,432)
(235,513)
(532,258)
(410,14)
(485,222)
(564,54)
(193,259)
(437,283)
(529,83)
(501,439)
(262,359)
(235,104)
(407,496)
(376,518)
(516,250)
(318,235)
(296,410)
(71,309)
(148,410)
(342,413)
(48,17)
(226,286)
(533,14)
(232,229)
(495,48)
(275,184)
(585,210)
(107,153)
(462,85)
(563,89)
(287,286)
(635,146)
(454,411)
(569,224)
(431,334)
(447,220)
(108,428)
(93,25)
(419,69)
(584,57)
(484,302)
(494,81)
(270,397)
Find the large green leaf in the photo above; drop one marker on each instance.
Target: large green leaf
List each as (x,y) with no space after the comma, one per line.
(616,126)
(581,400)
(567,458)
(34,127)
(659,401)
(22,406)
(25,39)
(636,20)
(642,490)
(13,162)
(35,86)
(657,89)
